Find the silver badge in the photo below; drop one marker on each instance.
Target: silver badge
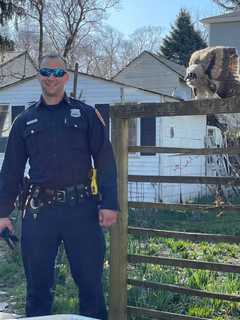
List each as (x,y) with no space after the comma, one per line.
(75,113)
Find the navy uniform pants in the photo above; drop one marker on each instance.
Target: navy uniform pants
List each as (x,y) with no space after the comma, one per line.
(78,227)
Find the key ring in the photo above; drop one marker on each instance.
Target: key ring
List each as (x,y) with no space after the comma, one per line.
(33,206)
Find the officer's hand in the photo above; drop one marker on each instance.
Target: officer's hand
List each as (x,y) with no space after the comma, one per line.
(107,217)
(6,223)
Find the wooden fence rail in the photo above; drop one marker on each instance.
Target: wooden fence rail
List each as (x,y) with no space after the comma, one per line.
(184,263)
(159,314)
(231,181)
(182,207)
(171,109)
(183,290)
(189,236)
(184,151)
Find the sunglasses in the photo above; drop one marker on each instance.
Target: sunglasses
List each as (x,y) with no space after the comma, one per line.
(47,72)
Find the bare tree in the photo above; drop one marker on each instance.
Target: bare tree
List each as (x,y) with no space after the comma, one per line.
(146,38)
(71,21)
(106,51)
(64,23)
(108,44)
(228,4)
(26,37)
(34,9)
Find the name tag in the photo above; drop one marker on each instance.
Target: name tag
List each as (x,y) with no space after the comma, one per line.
(31,122)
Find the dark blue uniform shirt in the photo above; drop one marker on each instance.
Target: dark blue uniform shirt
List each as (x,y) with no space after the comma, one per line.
(59,142)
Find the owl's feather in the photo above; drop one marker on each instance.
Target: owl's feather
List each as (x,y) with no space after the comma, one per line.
(214,72)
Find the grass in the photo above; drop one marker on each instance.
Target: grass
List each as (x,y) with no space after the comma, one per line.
(12,278)
(197,279)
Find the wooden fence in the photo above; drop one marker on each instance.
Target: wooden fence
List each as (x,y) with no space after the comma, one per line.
(119,259)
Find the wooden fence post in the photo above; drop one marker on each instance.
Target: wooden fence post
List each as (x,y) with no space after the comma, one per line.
(119,232)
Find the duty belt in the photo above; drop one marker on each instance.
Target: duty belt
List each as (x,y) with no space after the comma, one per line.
(39,196)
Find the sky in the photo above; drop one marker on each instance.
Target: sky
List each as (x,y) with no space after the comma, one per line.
(134,14)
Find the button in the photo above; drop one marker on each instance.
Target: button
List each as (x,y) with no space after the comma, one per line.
(75,125)
(32,131)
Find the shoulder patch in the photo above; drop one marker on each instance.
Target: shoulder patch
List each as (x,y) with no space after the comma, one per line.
(100,117)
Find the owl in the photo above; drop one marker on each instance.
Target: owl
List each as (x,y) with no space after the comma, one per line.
(213,72)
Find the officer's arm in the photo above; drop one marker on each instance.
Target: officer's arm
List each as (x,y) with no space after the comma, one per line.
(12,169)
(104,161)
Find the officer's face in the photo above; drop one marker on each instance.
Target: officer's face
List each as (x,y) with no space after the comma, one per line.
(53,86)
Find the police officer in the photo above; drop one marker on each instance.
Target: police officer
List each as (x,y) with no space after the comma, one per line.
(60,136)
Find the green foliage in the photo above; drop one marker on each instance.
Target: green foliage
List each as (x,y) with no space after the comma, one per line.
(183,40)
(196,279)
(199,311)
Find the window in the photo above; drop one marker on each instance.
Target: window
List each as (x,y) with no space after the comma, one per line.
(210,132)
(7,115)
(148,134)
(132,132)
(5,124)
(5,120)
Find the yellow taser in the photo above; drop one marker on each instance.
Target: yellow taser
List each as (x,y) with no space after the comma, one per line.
(94,186)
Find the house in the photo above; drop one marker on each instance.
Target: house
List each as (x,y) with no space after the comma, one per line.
(14,66)
(167,131)
(154,72)
(223,30)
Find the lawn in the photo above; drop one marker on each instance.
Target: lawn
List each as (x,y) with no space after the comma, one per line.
(12,277)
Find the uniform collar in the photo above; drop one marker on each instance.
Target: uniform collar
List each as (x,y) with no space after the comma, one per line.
(42,103)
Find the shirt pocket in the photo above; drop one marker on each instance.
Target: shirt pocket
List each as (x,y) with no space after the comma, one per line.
(34,138)
(76,133)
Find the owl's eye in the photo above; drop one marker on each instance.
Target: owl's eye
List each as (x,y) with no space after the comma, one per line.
(192,75)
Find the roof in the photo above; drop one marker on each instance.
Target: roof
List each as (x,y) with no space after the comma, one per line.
(177,68)
(8,56)
(226,17)
(180,69)
(17,71)
(12,55)
(96,77)
(126,85)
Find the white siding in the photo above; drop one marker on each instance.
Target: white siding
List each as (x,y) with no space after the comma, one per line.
(148,73)
(189,132)
(93,91)
(225,34)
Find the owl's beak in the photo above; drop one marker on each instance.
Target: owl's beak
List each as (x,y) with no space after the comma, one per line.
(190,76)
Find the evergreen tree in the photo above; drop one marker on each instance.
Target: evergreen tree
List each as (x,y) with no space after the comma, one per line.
(228,4)
(183,40)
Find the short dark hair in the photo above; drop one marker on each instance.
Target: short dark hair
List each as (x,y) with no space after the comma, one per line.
(53,55)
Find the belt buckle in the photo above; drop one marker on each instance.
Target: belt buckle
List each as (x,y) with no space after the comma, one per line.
(61,196)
